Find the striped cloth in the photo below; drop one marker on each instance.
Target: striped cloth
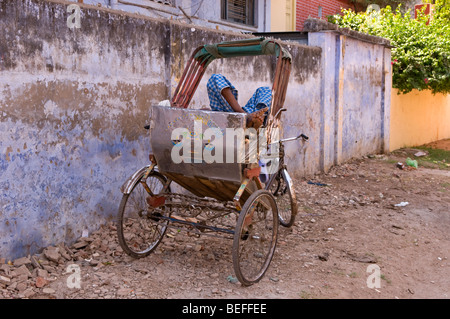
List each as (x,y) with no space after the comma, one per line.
(261,98)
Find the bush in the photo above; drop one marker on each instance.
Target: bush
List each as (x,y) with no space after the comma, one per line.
(421,53)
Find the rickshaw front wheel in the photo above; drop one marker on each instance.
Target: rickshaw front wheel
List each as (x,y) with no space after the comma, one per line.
(140,228)
(255,237)
(283,191)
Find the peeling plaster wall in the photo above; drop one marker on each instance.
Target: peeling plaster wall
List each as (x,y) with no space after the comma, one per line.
(201,13)
(356,89)
(73,103)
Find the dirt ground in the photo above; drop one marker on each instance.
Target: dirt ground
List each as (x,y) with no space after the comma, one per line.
(341,230)
(441,144)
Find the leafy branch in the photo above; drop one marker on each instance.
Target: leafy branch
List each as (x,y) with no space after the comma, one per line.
(421,53)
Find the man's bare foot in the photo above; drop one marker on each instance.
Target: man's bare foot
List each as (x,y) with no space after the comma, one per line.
(256,119)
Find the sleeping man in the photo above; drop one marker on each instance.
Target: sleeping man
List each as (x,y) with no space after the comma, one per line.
(223,97)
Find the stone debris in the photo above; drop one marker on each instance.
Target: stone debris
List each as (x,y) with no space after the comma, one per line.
(52,254)
(22,261)
(32,276)
(40,282)
(48,291)
(5,280)
(362,258)
(46,274)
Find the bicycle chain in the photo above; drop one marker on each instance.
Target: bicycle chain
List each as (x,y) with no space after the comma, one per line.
(196,205)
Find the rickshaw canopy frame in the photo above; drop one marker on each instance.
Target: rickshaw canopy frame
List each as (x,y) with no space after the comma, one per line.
(204,55)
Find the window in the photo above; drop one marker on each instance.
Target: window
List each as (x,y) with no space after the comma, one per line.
(240,11)
(166,2)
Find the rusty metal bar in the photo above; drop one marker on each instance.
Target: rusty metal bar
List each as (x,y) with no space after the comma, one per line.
(185,83)
(192,83)
(197,225)
(281,90)
(242,44)
(276,84)
(184,76)
(239,193)
(285,85)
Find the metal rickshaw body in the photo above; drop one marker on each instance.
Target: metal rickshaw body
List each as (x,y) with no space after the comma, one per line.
(200,178)
(166,119)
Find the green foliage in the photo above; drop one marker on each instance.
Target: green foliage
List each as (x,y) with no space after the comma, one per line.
(383,3)
(421,53)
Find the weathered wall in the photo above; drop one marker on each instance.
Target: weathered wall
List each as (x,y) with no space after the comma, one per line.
(418,117)
(201,13)
(73,103)
(355,98)
(72,106)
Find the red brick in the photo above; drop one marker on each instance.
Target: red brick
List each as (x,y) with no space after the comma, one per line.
(310,8)
(41,282)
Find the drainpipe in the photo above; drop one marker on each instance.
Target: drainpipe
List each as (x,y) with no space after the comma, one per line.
(266,16)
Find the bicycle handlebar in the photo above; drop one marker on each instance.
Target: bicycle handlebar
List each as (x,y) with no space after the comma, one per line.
(303,136)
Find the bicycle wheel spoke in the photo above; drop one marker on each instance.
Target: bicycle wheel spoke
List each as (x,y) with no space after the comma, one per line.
(140,230)
(255,240)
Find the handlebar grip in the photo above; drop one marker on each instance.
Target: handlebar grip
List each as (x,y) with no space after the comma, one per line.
(304,137)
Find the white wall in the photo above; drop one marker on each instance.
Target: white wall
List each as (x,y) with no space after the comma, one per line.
(204,13)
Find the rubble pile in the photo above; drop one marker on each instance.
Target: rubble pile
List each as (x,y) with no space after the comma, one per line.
(30,276)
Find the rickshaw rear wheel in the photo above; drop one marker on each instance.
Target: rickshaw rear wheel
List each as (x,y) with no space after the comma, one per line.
(140,227)
(255,237)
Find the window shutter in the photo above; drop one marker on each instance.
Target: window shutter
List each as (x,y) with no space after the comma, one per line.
(241,11)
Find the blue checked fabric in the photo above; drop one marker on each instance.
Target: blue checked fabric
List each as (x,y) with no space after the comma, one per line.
(217,82)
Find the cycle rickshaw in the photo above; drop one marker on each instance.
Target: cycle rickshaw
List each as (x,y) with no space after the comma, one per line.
(232,199)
